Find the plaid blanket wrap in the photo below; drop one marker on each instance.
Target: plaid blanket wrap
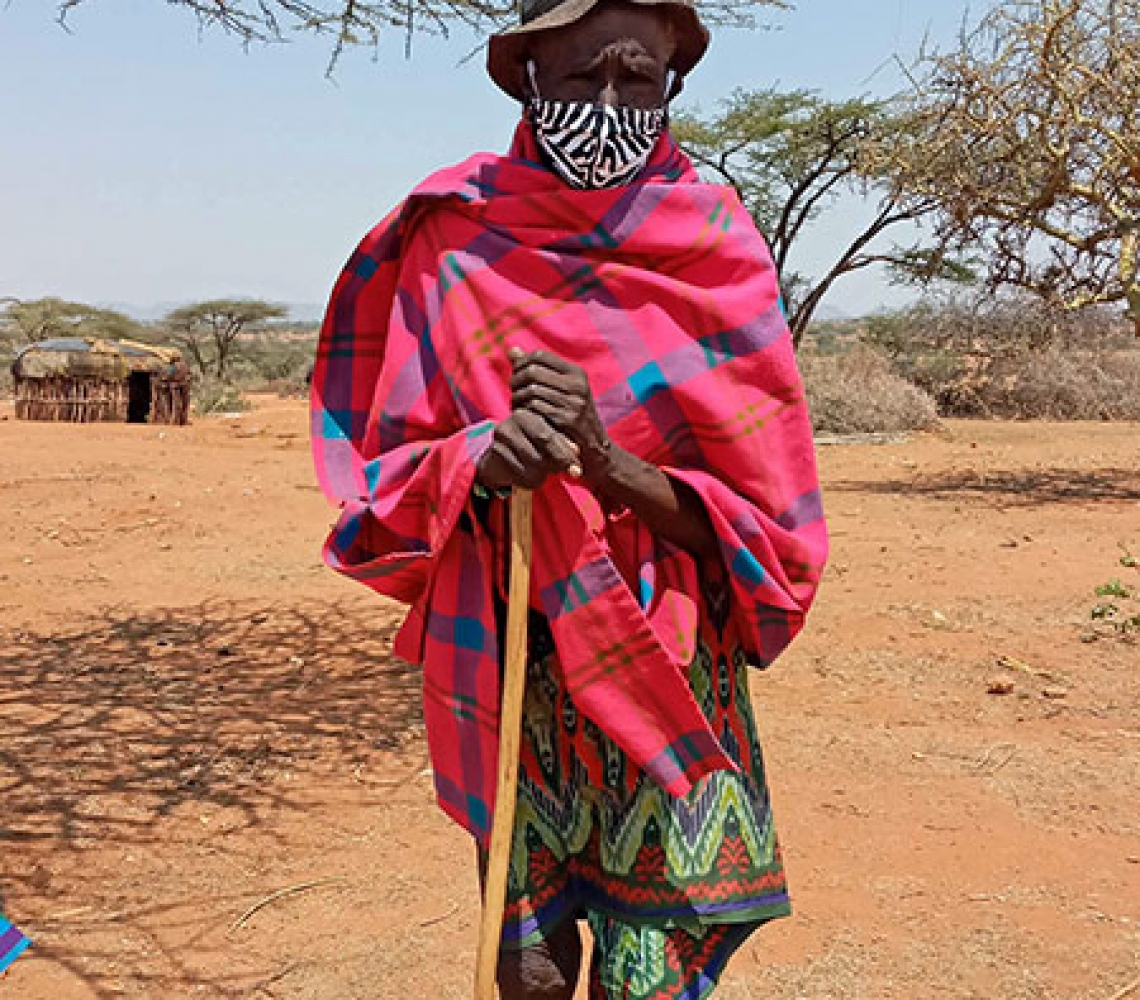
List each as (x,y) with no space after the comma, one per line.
(665,294)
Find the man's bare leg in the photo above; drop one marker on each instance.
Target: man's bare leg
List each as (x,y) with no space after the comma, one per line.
(546,971)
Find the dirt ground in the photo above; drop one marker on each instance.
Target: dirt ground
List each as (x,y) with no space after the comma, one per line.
(195,716)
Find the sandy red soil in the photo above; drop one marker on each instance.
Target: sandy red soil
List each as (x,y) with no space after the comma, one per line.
(195,714)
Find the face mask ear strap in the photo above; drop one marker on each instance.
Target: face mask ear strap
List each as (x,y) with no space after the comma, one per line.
(532,78)
(674,84)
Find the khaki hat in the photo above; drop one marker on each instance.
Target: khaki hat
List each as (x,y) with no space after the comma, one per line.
(506,52)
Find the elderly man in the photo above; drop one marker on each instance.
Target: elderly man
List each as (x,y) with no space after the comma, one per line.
(585,318)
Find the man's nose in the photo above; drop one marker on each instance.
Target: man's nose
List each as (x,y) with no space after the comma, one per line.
(613,60)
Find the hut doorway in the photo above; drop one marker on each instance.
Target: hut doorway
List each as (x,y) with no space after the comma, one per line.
(139,400)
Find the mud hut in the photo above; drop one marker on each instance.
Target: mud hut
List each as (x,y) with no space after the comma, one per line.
(89,380)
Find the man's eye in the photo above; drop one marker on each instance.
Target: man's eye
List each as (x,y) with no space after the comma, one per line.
(640,85)
(637,80)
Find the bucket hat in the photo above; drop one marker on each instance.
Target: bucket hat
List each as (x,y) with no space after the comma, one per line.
(506,52)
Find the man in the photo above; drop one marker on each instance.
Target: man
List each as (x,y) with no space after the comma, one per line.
(585,318)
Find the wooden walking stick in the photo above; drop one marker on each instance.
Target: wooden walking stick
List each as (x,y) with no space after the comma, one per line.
(510,731)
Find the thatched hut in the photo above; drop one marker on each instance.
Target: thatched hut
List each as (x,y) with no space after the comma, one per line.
(92,380)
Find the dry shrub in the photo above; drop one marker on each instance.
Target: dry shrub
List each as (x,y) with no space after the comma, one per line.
(290,388)
(1013,358)
(7,382)
(279,364)
(858,392)
(1067,385)
(211,396)
(8,348)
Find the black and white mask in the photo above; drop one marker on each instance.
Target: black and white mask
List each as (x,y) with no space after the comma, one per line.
(594,145)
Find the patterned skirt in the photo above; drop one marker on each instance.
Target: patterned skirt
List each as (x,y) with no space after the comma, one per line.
(670,887)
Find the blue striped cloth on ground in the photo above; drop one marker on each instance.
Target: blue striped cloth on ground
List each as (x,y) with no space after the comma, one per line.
(13,942)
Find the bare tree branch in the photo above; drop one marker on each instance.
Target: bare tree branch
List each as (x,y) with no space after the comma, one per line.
(351,23)
(790,155)
(1036,157)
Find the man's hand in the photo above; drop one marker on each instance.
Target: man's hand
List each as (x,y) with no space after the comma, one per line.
(555,428)
(525,450)
(559,393)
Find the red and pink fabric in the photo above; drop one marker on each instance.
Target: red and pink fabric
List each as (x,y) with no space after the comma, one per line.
(664,292)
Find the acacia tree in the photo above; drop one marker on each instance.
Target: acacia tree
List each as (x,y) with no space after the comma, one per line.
(350,23)
(30,320)
(790,156)
(208,331)
(1034,151)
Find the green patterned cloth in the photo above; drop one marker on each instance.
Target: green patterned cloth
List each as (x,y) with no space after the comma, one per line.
(670,887)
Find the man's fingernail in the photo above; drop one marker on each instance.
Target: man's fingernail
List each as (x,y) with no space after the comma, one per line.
(574,471)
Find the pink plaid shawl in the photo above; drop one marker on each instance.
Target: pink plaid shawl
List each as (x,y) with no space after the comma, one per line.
(665,294)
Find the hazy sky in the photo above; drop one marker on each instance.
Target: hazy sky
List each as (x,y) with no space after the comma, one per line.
(144,164)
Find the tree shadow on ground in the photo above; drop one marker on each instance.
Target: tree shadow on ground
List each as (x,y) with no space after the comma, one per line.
(113,729)
(1010,488)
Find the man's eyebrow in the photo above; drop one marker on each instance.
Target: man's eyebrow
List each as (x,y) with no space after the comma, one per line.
(641,60)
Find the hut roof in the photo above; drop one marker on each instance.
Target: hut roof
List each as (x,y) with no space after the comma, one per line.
(94,358)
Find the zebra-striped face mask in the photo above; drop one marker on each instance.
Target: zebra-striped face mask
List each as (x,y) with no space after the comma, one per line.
(592,145)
